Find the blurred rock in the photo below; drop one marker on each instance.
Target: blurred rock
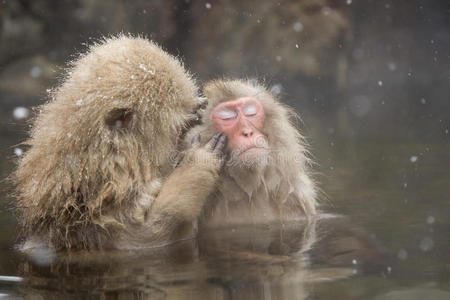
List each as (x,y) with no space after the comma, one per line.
(283,36)
(18,35)
(328,56)
(29,77)
(27,25)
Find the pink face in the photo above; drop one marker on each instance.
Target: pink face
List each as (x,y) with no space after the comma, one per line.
(241,120)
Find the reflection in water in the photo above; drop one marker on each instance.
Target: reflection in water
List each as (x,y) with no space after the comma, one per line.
(252,262)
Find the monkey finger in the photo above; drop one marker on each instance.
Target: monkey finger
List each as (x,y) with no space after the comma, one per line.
(211,144)
(224,160)
(195,142)
(221,144)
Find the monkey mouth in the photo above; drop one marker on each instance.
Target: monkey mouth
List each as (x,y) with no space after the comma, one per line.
(252,148)
(250,156)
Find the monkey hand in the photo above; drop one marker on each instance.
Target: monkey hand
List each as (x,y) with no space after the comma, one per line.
(208,156)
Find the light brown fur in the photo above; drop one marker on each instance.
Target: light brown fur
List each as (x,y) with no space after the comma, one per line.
(100,153)
(280,188)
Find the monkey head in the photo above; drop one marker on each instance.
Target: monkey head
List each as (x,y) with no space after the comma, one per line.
(124,91)
(259,128)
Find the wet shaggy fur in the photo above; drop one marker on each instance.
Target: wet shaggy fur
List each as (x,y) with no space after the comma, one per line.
(279,188)
(100,148)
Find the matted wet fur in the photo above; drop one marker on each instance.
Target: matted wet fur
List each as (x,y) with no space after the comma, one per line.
(277,188)
(100,153)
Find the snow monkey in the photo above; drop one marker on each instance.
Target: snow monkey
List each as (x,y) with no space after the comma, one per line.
(98,172)
(267,177)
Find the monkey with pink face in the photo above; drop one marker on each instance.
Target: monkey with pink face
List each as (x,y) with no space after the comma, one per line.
(267,176)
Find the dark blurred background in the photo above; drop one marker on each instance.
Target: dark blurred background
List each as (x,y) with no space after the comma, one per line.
(370,80)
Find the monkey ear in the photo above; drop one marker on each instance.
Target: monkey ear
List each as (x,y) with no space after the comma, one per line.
(119,118)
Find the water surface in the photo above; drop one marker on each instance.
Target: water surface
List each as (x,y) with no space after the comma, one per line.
(388,239)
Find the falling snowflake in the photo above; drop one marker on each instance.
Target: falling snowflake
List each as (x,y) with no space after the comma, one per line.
(20,113)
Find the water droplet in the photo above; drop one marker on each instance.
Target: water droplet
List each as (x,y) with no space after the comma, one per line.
(69,134)
(208,5)
(423,100)
(326,10)
(20,113)
(79,102)
(426,244)
(18,151)
(354,261)
(35,72)
(278,58)
(413,159)
(430,220)
(297,26)
(276,89)
(392,66)
(380,83)
(402,254)
(349,2)
(296,46)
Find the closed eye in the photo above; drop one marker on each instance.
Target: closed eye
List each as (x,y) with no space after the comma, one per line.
(226,114)
(250,110)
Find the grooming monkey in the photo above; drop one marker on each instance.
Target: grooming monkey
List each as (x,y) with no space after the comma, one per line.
(267,176)
(98,173)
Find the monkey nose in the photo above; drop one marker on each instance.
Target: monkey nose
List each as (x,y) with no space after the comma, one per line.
(247,133)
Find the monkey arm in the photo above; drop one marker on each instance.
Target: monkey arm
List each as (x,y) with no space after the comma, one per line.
(185,190)
(183,195)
